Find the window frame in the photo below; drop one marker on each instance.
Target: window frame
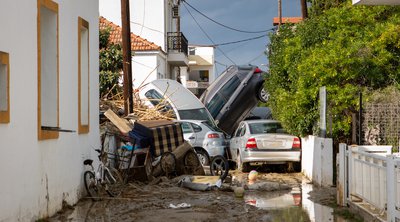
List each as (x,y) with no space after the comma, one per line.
(5,60)
(83,128)
(47,134)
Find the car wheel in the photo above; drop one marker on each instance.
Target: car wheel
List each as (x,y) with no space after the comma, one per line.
(203,157)
(263,95)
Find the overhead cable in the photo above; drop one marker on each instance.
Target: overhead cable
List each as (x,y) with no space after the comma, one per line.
(234,29)
(244,40)
(205,33)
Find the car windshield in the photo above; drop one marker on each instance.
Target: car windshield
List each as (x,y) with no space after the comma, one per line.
(196,114)
(260,128)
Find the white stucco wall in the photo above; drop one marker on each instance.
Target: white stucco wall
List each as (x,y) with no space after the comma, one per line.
(150,19)
(317,159)
(39,175)
(147,66)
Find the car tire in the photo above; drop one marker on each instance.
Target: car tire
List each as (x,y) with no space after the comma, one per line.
(262,94)
(203,157)
(242,167)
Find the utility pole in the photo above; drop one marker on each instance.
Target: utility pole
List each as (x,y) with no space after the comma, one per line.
(127,56)
(304,12)
(279,13)
(178,32)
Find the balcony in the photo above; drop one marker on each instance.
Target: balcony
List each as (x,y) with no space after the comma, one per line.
(177,46)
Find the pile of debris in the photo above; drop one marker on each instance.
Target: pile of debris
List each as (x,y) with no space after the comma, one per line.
(147,144)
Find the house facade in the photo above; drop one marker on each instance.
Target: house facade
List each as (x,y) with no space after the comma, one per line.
(200,73)
(149,61)
(157,22)
(49,118)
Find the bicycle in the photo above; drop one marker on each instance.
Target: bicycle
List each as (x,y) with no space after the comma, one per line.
(105,178)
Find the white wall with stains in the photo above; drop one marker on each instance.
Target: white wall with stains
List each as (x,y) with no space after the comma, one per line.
(37,176)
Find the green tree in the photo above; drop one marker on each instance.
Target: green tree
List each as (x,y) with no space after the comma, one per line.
(110,65)
(345,48)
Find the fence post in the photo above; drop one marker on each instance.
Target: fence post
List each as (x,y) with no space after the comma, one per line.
(390,183)
(341,167)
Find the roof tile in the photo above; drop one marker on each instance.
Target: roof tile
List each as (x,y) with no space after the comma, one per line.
(137,43)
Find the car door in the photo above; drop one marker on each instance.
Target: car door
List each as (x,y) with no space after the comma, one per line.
(235,141)
(188,133)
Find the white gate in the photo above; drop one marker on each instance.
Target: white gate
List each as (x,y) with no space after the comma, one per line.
(370,175)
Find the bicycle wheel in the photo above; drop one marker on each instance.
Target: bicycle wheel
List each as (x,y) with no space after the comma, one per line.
(113,182)
(90,185)
(219,166)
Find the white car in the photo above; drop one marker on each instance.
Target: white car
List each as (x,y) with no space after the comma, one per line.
(208,141)
(176,97)
(263,141)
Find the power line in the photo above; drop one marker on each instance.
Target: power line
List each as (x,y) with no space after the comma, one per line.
(244,40)
(205,33)
(234,29)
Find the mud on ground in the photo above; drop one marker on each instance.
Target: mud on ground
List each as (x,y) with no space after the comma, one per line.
(151,202)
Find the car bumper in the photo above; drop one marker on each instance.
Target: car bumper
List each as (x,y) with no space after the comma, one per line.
(214,150)
(275,156)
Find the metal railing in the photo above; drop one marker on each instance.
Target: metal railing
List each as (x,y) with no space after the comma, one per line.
(177,42)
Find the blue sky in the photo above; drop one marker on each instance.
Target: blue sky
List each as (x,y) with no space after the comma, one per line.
(247,15)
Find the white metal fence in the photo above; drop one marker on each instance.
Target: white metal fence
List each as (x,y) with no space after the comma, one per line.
(370,175)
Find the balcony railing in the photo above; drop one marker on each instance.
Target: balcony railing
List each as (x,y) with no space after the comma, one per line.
(177,42)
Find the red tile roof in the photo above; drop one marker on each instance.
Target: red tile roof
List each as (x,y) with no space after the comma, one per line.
(287,20)
(137,43)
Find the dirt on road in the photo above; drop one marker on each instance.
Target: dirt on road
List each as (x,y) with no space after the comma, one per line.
(164,200)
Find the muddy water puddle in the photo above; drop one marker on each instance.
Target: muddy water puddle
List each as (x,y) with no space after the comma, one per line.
(294,204)
(272,197)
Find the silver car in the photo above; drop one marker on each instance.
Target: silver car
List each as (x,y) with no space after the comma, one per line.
(263,141)
(208,141)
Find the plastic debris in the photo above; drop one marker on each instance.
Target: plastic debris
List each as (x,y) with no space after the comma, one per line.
(181,205)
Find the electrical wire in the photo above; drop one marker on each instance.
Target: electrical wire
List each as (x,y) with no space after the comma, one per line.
(209,38)
(144,16)
(244,40)
(234,29)
(258,56)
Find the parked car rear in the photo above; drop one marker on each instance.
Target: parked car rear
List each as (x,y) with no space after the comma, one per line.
(264,141)
(207,140)
(232,96)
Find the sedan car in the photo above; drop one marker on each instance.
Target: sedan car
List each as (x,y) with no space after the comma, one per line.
(263,141)
(207,140)
(232,96)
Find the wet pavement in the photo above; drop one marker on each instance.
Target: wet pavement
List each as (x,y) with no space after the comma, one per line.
(298,200)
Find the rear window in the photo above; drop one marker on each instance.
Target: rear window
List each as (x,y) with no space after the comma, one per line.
(195,114)
(211,126)
(260,128)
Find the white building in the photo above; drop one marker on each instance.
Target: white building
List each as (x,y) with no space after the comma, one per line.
(200,73)
(376,2)
(149,60)
(155,22)
(48,81)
